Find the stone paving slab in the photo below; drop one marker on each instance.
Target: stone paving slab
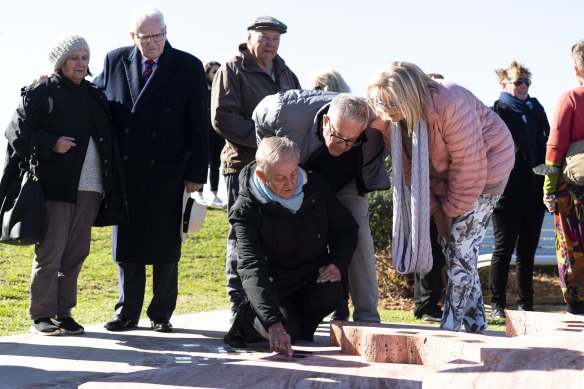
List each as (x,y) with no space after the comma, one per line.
(542,350)
(194,356)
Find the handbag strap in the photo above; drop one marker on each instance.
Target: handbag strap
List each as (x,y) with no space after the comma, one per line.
(35,139)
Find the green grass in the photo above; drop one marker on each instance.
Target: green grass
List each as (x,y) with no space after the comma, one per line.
(201,280)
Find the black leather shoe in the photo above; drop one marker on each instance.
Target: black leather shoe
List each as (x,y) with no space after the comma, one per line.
(161,326)
(120,323)
(498,313)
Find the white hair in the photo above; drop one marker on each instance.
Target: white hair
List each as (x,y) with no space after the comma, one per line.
(141,15)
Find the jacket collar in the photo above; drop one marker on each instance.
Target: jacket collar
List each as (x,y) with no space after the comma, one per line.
(250,65)
(166,64)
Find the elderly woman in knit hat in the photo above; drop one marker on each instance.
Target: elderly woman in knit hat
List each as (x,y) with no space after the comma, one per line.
(79,174)
(453,154)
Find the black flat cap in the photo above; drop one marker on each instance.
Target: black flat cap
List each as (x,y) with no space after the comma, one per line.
(268,22)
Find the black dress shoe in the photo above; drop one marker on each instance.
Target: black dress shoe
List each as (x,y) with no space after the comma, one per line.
(161,326)
(120,323)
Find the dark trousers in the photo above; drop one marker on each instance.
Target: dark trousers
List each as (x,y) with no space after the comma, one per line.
(304,310)
(216,144)
(520,232)
(428,286)
(132,284)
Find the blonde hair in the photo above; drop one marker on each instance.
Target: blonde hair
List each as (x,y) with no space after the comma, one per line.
(331,80)
(512,72)
(578,55)
(274,149)
(406,85)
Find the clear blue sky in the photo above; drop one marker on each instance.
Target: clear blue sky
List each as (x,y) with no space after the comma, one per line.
(464,40)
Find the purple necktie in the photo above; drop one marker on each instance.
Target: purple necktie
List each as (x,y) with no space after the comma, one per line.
(148,65)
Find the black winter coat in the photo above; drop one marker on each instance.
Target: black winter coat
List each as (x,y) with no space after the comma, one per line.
(163,133)
(56,107)
(524,186)
(280,252)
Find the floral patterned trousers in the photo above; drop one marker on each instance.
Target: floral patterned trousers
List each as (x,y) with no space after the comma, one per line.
(464,298)
(569,229)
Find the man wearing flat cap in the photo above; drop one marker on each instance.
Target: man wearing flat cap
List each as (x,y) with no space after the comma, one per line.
(240,84)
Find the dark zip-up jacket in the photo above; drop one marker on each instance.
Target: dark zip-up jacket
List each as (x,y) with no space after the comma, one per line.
(280,252)
(58,107)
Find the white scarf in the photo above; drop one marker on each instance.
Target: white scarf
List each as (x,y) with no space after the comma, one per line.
(411,250)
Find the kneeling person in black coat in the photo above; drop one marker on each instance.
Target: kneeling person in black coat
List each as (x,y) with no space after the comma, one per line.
(294,240)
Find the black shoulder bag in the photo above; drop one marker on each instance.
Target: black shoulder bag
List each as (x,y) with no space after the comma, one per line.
(23,209)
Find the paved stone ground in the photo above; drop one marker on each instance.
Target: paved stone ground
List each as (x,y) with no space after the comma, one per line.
(194,356)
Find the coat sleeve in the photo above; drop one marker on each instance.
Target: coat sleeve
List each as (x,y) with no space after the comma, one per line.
(561,131)
(252,266)
(343,231)
(467,173)
(226,109)
(31,115)
(197,126)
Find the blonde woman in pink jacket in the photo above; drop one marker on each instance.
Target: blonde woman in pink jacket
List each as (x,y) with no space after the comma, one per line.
(451,158)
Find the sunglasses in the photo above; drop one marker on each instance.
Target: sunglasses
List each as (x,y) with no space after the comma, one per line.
(520,81)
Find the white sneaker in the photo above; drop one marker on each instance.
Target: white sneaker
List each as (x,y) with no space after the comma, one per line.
(199,199)
(218,203)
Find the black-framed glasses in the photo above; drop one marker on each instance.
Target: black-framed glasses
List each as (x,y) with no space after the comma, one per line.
(147,38)
(336,138)
(520,81)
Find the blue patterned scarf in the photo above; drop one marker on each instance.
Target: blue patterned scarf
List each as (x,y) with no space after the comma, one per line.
(293,203)
(531,112)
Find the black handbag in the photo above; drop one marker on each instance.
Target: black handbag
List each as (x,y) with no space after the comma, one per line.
(23,209)
(24,223)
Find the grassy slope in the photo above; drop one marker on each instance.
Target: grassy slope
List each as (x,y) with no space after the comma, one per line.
(201,279)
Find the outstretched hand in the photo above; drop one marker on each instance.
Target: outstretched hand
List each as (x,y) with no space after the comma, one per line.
(280,341)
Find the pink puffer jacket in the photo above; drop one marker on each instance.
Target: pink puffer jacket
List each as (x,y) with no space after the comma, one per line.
(470,148)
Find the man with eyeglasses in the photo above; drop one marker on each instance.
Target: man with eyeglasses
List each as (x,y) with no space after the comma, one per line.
(239,85)
(158,100)
(336,136)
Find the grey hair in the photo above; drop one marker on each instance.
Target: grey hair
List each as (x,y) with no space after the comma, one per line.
(274,149)
(349,107)
(141,15)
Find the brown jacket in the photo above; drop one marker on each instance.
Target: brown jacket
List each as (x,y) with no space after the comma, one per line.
(238,87)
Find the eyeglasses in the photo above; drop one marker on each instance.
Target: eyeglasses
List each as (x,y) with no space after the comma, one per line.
(390,107)
(520,81)
(337,139)
(318,86)
(147,38)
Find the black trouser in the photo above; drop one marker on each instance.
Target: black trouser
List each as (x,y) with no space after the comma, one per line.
(216,144)
(132,284)
(428,286)
(520,232)
(304,310)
